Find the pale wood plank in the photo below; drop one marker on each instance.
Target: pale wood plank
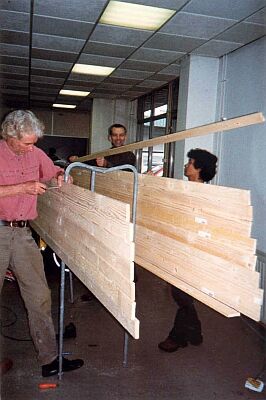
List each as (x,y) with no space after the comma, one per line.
(215,127)
(235,286)
(93,251)
(204,298)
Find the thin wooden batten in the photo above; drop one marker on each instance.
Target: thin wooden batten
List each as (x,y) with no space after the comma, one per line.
(233,123)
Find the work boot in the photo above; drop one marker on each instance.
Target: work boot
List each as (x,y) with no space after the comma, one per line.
(169,345)
(68,365)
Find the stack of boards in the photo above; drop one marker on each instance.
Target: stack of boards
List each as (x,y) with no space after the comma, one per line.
(194,236)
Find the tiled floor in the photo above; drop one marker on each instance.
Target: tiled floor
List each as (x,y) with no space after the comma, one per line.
(216,370)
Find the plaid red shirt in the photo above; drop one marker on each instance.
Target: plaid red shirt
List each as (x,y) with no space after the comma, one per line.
(34,165)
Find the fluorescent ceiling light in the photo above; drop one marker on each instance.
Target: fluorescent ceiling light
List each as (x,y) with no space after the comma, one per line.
(74,93)
(135,15)
(64,105)
(92,69)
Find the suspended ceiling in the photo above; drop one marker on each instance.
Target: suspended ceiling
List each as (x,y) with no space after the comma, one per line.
(41,40)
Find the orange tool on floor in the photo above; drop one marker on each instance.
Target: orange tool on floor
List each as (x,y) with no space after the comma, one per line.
(47,385)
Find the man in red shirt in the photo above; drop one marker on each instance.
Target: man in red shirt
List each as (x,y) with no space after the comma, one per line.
(24,169)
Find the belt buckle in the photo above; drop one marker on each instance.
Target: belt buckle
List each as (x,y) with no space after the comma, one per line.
(11,224)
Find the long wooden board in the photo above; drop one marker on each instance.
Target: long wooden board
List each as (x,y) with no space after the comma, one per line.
(215,127)
(193,235)
(93,235)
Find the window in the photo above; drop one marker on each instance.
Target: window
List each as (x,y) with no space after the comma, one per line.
(156,118)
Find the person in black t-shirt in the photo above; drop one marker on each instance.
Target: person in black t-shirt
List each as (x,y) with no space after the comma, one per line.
(117,134)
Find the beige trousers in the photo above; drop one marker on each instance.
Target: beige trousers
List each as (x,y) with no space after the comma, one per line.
(19,251)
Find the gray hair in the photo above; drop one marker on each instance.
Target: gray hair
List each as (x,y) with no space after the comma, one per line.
(20,123)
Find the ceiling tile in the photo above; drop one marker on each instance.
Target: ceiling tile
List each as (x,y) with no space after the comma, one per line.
(13,50)
(80,85)
(88,87)
(10,75)
(172,69)
(104,90)
(125,81)
(134,94)
(85,78)
(163,77)
(236,9)
(19,91)
(155,55)
(115,86)
(163,41)
(14,69)
(48,72)
(47,79)
(57,43)
(21,5)
(54,55)
(14,82)
(44,85)
(127,73)
(151,84)
(142,66)
(81,10)
(62,27)
(195,25)
(15,21)
(39,90)
(216,48)
(118,35)
(49,99)
(52,65)
(17,38)
(107,49)
(244,32)
(103,95)
(15,61)
(144,60)
(258,18)
(100,60)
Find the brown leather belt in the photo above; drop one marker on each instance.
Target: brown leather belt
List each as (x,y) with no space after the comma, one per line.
(15,224)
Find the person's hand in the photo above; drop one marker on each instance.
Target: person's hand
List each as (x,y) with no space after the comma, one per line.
(72,158)
(101,162)
(60,179)
(149,172)
(33,188)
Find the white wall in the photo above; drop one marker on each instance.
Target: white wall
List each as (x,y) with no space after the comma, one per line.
(243,152)
(196,104)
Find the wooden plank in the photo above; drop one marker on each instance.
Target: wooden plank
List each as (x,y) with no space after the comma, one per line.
(215,127)
(226,282)
(174,208)
(92,234)
(198,234)
(204,298)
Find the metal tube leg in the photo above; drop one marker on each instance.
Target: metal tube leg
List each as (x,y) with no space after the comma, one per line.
(126,337)
(61,319)
(71,287)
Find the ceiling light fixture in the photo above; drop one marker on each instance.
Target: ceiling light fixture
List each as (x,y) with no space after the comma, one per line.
(57,105)
(74,93)
(92,69)
(135,15)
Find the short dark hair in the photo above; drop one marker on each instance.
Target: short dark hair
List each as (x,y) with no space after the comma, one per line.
(116,126)
(206,161)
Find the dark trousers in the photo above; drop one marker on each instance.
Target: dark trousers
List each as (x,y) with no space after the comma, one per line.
(187,326)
